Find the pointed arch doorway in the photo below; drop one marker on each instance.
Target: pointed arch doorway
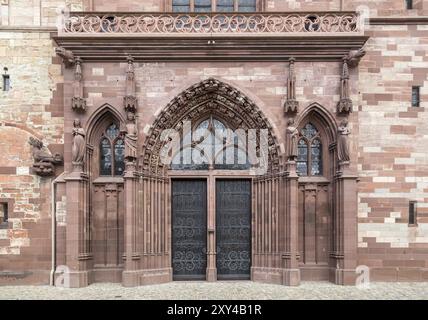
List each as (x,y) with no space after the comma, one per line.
(202,219)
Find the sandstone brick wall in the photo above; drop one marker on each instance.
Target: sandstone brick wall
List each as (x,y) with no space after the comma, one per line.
(393,159)
(32,107)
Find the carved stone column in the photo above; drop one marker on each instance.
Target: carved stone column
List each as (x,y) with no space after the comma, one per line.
(130,275)
(290,256)
(78,256)
(345,217)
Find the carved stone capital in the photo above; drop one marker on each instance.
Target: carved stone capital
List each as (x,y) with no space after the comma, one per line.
(78,104)
(291,106)
(344,106)
(130,103)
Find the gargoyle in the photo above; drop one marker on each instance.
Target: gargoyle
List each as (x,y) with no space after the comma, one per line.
(44,161)
(67,56)
(354,57)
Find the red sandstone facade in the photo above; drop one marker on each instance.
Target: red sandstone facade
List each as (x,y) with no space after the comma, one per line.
(347,71)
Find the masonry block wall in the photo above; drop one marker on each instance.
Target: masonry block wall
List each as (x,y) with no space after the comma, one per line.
(389,136)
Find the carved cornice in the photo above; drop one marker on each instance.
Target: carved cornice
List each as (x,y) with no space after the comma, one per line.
(317,36)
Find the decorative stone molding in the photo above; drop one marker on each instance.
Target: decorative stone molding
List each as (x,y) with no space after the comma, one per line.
(44,161)
(291,104)
(130,100)
(345,104)
(211,23)
(67,57)
(78,103)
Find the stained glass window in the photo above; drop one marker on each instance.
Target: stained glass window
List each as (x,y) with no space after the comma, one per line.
(309,162)
(211,143)
(112,152)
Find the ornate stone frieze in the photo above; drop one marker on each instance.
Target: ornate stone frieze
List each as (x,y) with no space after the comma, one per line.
(44,162)
(221,23)
(345,104)
(78,103)
(291,104)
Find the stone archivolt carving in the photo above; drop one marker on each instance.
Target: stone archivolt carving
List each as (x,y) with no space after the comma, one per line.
(44,161)
(78,102)
(291,104)
(79,145)
(222,23)
(343,142)
(130,100)
(292,138)
(67,56)
(207,97)
(345,103)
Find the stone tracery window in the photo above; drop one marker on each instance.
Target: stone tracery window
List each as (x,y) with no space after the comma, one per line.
(214,6)
(112,152)
(211,143)
(309,158)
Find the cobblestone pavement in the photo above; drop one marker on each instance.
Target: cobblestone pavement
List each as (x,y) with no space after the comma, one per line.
(221,290)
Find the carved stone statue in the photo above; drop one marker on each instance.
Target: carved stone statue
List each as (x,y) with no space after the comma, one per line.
(354,57)
(292,138)
(131,136)
(343,142)
(44,161)
(78,149)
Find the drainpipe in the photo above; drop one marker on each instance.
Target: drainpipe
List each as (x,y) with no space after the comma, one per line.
(53,228)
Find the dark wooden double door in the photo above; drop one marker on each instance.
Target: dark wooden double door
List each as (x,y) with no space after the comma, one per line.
(190,219)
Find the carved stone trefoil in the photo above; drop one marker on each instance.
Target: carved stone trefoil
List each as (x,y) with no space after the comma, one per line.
(67,57)
(44,162)
(130,100)
(345,104)
(291,104)
(78,103)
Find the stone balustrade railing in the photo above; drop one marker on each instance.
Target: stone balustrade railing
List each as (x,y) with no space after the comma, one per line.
(211,23)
